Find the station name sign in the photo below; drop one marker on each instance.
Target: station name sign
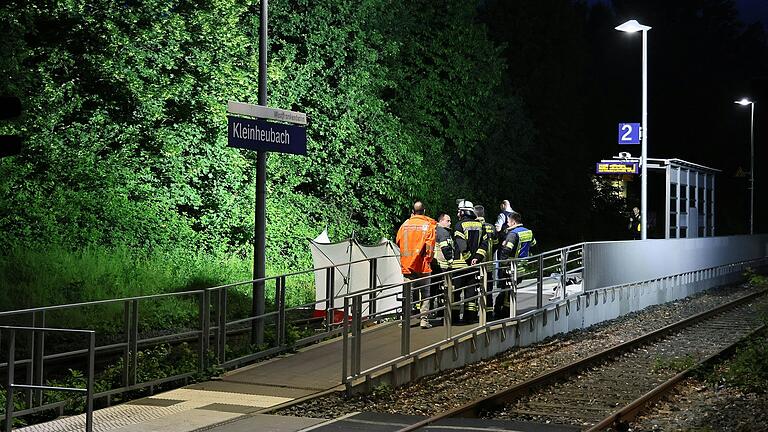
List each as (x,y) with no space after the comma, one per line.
(261,135)
(617,168)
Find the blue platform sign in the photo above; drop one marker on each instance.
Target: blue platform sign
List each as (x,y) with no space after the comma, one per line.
(262,135)
(629,133)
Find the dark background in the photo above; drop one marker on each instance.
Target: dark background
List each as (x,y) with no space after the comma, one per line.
(581,77)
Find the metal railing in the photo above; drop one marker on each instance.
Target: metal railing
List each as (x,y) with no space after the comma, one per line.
(35,390)
(567,261)
(455,294)
(219,331)
(220,327)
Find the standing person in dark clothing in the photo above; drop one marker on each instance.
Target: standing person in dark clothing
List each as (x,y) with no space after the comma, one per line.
(501,232)
(634,223)
(501,221)
(442,259)
(490,231)
(516,244)
(471,244)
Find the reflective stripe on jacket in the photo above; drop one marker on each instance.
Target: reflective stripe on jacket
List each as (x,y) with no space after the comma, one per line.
(517,243)
(443,248)
(470,242)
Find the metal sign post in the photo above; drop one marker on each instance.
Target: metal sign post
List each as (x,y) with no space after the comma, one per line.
(263,136)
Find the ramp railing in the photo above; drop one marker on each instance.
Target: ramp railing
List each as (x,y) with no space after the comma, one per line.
(460,300)
(520,285)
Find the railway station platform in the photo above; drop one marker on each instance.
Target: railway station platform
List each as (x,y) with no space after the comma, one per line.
(235,400)
(381,351)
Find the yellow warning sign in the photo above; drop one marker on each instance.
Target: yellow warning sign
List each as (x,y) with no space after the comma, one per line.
(617,168)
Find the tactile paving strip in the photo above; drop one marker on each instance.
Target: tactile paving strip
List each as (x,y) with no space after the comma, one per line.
(119,416)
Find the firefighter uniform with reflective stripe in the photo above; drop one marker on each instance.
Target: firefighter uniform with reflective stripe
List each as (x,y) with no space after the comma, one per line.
(471,243)
(516,244)
(493,241)
(442,261)
(443,256)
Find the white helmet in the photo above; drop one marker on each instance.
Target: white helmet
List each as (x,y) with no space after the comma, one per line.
(466,205)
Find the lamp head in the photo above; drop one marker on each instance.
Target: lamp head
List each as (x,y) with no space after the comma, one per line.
(632,26)
(743,102)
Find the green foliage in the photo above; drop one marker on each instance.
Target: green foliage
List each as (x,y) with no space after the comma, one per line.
(754,278)
(748,369)
(125,120)
(43,276)
(18,404)
(674,364)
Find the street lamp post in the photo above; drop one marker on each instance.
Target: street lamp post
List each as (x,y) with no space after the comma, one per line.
(745,102)
(632,26)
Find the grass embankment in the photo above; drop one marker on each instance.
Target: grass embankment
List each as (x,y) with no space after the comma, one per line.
(33,277)
(50,275)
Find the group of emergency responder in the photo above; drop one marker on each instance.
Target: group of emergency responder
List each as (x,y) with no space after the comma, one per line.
(429,247)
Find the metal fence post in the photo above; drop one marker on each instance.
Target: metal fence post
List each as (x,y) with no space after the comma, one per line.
(405,338)
(329,298)
(205,328)
(447,305)
(564,270)
(481,301)
(281,314)
(513,291)
(134,344)
(540,282)
(372,284)
(89,386)
(38,358)
(29,369)
(345,342)
(127,349)
(357,306)
(9,381)
(222,324)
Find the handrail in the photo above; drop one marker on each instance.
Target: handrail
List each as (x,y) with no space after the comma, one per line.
(352,345)
(10,384)
(183,293)
(528,259)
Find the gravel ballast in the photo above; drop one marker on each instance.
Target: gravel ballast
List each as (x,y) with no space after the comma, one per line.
(452,388)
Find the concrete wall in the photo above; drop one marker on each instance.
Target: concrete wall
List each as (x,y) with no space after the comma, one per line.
(616,263)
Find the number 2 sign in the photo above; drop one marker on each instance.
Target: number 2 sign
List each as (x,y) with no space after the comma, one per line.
(629,133)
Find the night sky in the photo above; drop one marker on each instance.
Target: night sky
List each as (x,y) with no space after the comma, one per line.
(693,79)
(753,10)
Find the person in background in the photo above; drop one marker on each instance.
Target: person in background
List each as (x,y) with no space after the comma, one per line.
(471,244)
(634,223)
(416,240)
(501,232)
(490,231)
(516,244)
(501,221)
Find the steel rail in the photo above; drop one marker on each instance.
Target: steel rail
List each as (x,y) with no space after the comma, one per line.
(623,416)
(500,398)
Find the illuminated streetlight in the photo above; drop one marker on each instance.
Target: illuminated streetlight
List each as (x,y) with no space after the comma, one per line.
(632,26)
(745,102)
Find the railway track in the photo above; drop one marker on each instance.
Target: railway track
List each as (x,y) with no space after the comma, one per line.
(609,388)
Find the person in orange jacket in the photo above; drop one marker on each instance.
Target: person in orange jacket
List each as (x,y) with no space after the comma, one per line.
(416,240)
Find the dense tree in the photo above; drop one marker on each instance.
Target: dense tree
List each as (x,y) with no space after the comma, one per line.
(125,119)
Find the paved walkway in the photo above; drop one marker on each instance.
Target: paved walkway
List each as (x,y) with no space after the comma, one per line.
(219,405)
